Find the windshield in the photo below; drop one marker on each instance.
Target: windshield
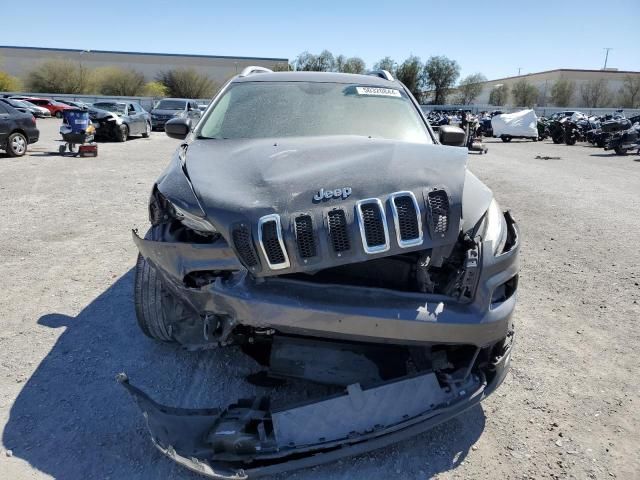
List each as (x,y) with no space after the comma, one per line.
(287,109)
(171,105)
(112,107)
(20,103)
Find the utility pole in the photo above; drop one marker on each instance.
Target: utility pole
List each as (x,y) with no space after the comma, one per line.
(606,57)
(519,68)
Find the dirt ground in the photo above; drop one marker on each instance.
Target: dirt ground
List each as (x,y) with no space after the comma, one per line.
(568,409)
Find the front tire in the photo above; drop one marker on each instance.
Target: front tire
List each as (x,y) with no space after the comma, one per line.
(16,145)
(122,133)
(149,300)
(58,114)
(620,151)
(147,130)
(505,138)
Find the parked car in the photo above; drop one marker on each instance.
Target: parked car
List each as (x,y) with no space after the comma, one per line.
(120,120)
(36,111)
(74,104)
(56,108)
(316,221)
(14,103)
(169,108)
(17,130)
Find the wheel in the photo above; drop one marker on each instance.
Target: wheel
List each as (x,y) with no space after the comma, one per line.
(557,139)
(571,140)
(505,138)
(147,130)
(59,114)
(619,150)
(61,149)
(123,133)
(150,299)
(16,145)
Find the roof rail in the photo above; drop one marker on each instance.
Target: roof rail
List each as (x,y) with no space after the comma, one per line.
(382,74)
(254,69)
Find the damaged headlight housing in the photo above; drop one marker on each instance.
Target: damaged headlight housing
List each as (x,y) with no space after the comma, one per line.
(494,227)
(198,224)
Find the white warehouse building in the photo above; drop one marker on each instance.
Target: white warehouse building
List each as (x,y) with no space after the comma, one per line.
(18,61)
(544,81)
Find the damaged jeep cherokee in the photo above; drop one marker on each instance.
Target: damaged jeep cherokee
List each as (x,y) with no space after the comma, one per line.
(315,221)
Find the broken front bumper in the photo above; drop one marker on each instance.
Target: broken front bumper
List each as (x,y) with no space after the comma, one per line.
(248,439)
(335,311)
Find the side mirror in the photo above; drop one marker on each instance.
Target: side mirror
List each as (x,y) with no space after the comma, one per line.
(177,128)
(452,136)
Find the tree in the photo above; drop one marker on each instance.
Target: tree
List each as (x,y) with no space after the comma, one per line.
(388,64)
(282,67)
(524,94)
(324,62)
(352,65)
(57,76)
(410,73)
(595,93)
(562,92)
(187,83)
(154,89)
(9,83)
(440,75)
(118,81)
(629,93)
(499,96)
(470,88)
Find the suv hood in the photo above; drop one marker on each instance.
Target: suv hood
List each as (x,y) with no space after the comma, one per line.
(239,181)
(282,176)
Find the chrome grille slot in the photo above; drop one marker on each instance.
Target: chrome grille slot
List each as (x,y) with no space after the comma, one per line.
(338,234)
(242,241)
(373,225)
(303,226)
(438,211)
(271,243)
(408,222)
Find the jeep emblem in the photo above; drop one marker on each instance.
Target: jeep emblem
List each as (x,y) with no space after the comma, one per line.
(329,194)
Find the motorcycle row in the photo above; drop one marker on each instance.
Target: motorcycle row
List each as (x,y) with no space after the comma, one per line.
(611,132)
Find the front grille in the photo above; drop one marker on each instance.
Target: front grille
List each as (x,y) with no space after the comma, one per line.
(373,226)
(439,211)
(242,241)
(338,231)
(270,238)
(406,214)
(304,236)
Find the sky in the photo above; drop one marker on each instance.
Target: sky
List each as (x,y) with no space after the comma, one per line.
(495,38)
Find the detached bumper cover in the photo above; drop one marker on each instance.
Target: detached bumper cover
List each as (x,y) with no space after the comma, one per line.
(247,439)
(338,311)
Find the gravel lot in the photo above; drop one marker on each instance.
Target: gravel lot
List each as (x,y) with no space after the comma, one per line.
(568,409)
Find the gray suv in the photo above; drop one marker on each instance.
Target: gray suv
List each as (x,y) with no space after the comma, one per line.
(169,108)
(315,221)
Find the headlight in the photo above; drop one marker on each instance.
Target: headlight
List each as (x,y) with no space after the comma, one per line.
(494,228)
(191,221)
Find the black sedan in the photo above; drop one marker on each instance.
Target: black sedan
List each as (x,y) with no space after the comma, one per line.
(120,120)
(17,130)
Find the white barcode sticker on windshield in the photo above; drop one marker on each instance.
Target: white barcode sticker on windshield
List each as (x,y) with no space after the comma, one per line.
(385,92)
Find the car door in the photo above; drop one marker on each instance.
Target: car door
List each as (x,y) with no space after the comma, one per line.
(193,112)
(135,125)
(5,125)
(144,117)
